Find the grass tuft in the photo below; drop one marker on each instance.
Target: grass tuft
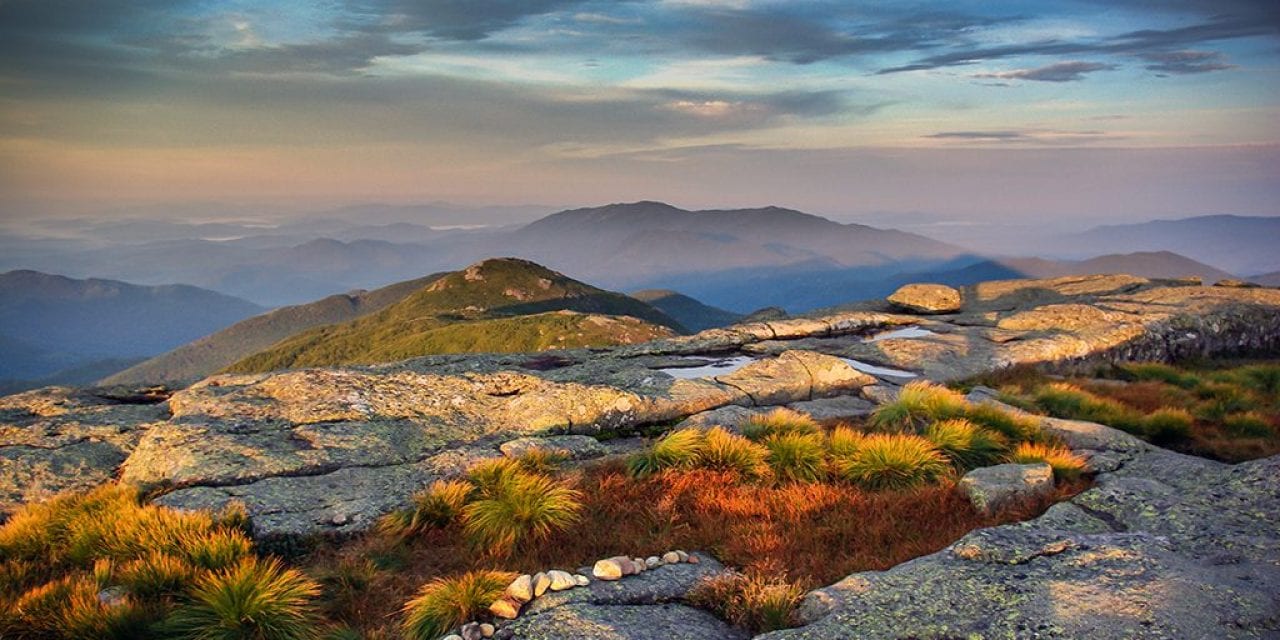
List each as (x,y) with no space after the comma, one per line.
(796,456)
(918,404)
(445,603)
(438,506)
(780,421)
(725,451)
(966,444)
(892,461)
(1248,425)
(254,600)
(1066,464)
(1169,426)
(676,450)
(755,603)
(844,441)
(525,507)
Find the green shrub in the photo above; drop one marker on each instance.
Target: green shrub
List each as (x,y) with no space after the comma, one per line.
(967,445)
(796,456)
(676,450)
(1220,399)
(918,404)
(780,421)
(892,461)
(1066,464)
(253,600)
(445,603)
(1159,372)
(1248,425)
(725,451)
(438,506)
(1169,426)
(1263,378)
(526,506)
(754,603)
(1067,401)
(844,441)
(1014,427)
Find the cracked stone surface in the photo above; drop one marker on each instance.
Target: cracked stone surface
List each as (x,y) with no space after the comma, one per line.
(325,451)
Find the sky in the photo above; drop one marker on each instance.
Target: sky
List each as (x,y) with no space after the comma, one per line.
(995,110)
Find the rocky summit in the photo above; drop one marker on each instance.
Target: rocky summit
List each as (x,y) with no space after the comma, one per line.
(1163,546)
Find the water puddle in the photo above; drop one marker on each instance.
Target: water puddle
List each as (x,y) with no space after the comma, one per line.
(710,369)
(903,333)
(878,371)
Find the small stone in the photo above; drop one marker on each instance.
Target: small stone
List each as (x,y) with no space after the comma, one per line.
(652,562)
(452,636)
(487,630)
(521,589)
(693,559)
(339,519)
(540,584)
(684,557)
(641,567)
(505,608)
(561,580)
(607,570)
(582,580)
(111,597)
(671,557)
(471,631)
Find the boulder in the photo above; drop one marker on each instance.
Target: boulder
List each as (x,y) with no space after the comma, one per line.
(926,298)
(991,488)
(520,589)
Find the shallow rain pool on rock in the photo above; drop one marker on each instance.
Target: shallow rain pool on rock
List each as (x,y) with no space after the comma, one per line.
(903,333)
(708,368)
(874,370)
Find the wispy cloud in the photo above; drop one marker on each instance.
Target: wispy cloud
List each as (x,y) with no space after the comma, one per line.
(1056,72)
(1186,62)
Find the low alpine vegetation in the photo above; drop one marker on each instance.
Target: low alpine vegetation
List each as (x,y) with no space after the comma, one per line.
(892,461)
(966,444)
(1066,464)
(676,450)
(778,422)
(1226,410)
(755,603)
(445,603)
(104,564)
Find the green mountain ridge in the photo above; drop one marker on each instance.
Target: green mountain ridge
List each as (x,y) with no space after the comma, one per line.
(219,350)
(498,305)
(691,313)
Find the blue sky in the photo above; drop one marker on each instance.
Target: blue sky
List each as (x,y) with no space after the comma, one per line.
(1119,108)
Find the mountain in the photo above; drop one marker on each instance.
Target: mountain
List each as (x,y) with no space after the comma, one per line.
(50,323)
(1239,244)
(499,305)
(1267,279)
(721,257)
(1146,264)
(215,352)
(694,315)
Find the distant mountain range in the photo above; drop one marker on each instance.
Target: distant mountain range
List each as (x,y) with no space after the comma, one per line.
(50,324)
(1240,244)
(498,305)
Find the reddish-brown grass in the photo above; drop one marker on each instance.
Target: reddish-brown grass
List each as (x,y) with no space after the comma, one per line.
(813,533)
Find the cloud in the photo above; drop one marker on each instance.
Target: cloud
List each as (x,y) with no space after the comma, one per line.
(1185,62)
(463,20)
(1141,42)
(1057,72)
(1028,136)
